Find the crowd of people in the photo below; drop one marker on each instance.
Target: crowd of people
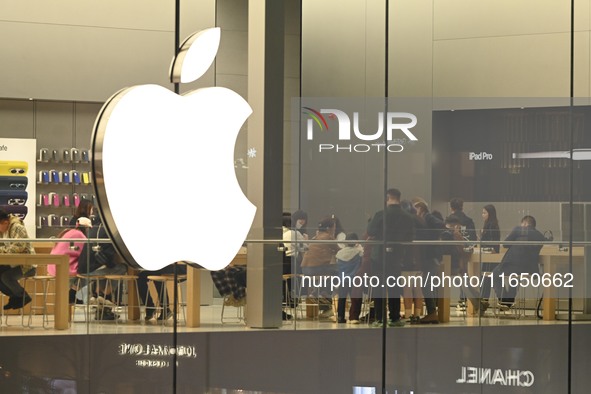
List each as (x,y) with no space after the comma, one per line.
(399,224)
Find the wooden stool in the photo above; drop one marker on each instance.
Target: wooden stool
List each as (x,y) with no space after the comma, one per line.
(44,280)
(166,291)
(131,282)
(89,305)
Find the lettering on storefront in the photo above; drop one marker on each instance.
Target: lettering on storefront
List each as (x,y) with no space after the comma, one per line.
(501,377)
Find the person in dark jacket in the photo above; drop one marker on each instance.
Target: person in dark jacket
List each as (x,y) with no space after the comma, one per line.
(519,258)
(431,256)
(395,226)
(98,259)
(457,210)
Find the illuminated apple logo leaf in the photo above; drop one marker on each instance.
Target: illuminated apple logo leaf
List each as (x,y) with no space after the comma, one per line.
(163,168)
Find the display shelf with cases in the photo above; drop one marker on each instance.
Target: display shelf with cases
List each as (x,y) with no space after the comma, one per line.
(63,180)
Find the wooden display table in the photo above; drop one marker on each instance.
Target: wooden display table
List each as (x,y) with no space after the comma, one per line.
(61,279)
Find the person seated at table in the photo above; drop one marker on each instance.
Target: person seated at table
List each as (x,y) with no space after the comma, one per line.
(85,209)
(294,243)
(72,250)
(231,284)
(517,259)
(13,227)
(98,259)
(318,261)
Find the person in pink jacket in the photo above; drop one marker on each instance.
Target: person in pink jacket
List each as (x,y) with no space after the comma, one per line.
(72,250)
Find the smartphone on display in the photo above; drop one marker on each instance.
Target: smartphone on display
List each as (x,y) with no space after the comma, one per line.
(14,167)
(66,155)
(85,156)
(66,199)
(13,182)
(13,197)
(76,199)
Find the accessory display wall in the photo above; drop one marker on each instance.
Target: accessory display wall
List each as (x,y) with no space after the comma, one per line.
(63,180)
(55,125)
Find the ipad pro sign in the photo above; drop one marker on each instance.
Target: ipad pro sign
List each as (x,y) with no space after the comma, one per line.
(163,165)
(392,131)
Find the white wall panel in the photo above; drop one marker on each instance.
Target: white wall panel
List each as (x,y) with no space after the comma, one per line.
(340,52)
(86,51)
(411,49)
(80,63)
(522,66)
(128,14)
(455,19)
(582,78)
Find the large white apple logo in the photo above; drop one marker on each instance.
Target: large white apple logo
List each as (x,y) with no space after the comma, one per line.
(163,169)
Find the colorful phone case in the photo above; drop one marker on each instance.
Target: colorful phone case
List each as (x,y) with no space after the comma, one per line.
(44,176)
(13,197)
(76,199)
(54,176)
(13,167)
(66,199)
(75,177)
(45,200)
(55,199)
(13,182)
(65,177)
(86,178)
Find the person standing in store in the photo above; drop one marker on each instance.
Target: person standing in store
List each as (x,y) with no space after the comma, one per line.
(13,227)
(388,260)
(430,257)
(457,209)
(490,230)
(349,261)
